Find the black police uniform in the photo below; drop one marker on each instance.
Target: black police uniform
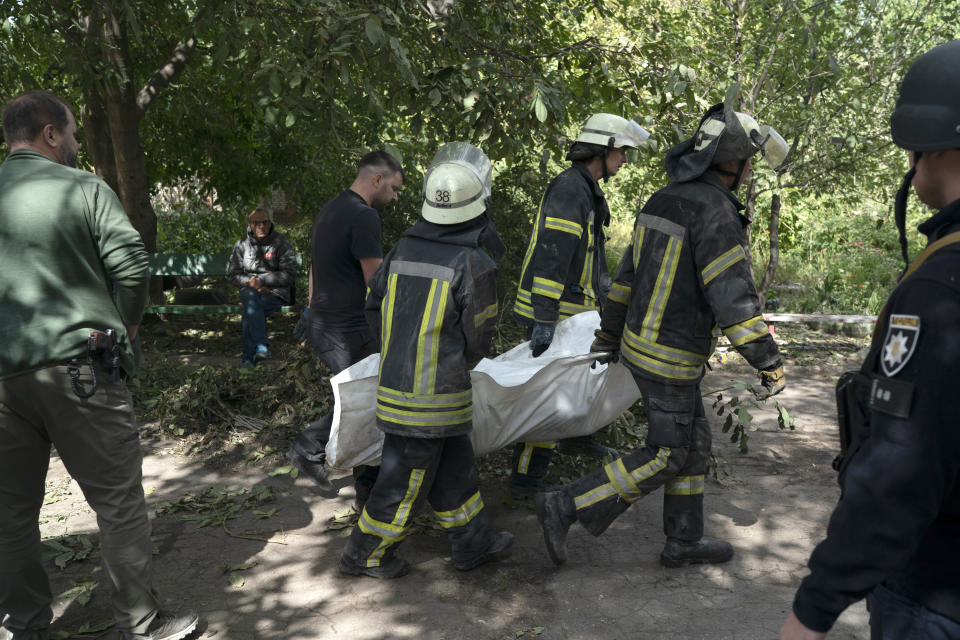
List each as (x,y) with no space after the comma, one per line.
(898,519)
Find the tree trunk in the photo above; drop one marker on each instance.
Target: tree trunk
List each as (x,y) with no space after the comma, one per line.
(97,138)
(123,115)
(771,271)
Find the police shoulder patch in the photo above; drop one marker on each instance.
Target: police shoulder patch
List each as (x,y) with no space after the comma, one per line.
(903,332)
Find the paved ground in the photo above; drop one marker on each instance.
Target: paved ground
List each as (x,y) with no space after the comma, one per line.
(773,507)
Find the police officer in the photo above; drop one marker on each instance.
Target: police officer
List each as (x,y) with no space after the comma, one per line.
(894,536)
(565,268)
(434,299)
(684,273)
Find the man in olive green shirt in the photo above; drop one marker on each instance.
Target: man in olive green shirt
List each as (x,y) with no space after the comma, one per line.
(72,265)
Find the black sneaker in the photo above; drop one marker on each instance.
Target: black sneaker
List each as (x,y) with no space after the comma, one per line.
(586,446)
(316,471)
(496,551)
(393,568)
(167,625)
(677,553)
(555,515)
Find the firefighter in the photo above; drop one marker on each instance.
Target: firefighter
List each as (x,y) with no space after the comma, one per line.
(893,535)
(434,300)
(565,268)
(684,273)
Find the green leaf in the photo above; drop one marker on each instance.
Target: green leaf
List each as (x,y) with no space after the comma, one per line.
(280,471)
(470,99)
(540,109)
(290,120)
(732,96)
(236,579)
(374,30)
(275,84)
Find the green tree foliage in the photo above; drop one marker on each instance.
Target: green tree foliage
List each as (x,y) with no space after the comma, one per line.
(239,97)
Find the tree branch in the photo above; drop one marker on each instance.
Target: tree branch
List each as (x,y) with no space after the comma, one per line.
(162,77)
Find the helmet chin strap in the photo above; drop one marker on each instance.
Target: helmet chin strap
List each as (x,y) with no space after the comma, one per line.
(603,163)
(900,208)
(736,176)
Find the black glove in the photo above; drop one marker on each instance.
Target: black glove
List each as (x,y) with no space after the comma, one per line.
(607,344)
(773,382)
(541,337)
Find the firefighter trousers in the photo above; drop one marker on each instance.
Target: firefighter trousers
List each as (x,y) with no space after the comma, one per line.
(440,471)
(674,456)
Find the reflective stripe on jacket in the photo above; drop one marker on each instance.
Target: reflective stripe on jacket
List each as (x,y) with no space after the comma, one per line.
(565,267)
(437,302)
(684,273)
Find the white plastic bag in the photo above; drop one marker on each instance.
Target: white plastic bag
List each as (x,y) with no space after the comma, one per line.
(515,397)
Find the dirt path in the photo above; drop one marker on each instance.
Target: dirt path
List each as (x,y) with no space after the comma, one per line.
(773,507)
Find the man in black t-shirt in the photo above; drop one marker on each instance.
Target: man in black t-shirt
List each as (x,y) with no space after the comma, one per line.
(346,251)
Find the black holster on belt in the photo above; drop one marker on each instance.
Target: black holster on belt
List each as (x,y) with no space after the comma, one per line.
(853,389)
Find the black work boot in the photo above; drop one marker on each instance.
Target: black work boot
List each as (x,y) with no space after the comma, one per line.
(496,551)
(586,446)
(556,513)
(677,553)
(393,567)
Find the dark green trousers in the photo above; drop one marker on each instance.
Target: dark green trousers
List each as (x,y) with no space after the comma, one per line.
(97,441)
(674,456)
(440,471)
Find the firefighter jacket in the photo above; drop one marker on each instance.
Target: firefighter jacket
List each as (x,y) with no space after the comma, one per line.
(434,300)
(684,273)
(565,268)
(898,518)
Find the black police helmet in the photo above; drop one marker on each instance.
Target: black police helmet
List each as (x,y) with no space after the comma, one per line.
(927,115)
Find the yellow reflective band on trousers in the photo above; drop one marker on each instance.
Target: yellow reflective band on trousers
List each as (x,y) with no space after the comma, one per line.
(722,263)
(684,486)
(659,359)
(746,331)
(661,289)
(616,469)
(561,224)
(386,316)
(619,293)
(428,342)
(396,530)
(548,288)
(523,465)
(486,314)
(462,515)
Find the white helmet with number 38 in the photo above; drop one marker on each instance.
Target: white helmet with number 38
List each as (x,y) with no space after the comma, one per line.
(457,185)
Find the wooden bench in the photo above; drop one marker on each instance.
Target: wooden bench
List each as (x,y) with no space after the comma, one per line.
(811,318)
(198,264)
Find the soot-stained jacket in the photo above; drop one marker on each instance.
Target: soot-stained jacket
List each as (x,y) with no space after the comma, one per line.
(434,300)
(898,518)
(273,260)
(684,273)
(565,268)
